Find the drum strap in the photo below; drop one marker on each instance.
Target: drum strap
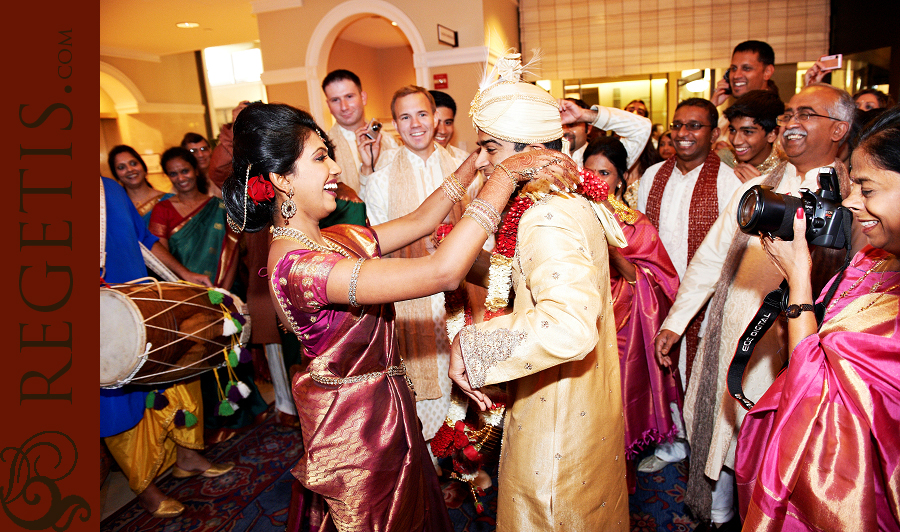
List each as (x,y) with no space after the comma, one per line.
(102,231)
(157,266)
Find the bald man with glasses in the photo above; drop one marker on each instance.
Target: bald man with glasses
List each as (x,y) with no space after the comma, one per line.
(730,275)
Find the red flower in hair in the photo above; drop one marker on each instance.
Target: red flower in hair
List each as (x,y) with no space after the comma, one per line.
(259,189)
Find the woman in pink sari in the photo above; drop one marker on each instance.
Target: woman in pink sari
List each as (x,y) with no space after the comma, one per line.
(644,284)
(363,450)
(821,449)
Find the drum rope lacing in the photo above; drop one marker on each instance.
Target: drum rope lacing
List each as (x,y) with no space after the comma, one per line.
(142,359)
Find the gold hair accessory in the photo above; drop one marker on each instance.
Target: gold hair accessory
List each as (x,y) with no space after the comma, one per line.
(231,223)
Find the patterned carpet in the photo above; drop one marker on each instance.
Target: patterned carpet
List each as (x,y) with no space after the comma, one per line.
(656,505)
(254,497)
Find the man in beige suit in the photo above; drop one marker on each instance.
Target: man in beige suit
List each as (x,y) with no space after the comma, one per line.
(562,465)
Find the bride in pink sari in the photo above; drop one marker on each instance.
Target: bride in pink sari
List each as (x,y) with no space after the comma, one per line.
(363,450)
(821,449)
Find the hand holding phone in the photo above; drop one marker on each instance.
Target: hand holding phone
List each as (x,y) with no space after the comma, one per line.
(831,62)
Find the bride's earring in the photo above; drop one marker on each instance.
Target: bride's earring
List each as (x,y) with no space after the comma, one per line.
(288,207)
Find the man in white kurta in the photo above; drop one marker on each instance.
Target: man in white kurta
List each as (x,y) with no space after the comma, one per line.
(810,144)
(562,462)
(694,131)
(411,173)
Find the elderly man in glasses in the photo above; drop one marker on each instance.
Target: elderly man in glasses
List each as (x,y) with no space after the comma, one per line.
(683,196)
(813,126)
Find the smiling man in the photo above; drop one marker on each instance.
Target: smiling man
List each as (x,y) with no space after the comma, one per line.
(683,196)
(356,153)
(411,173)
(752,131)
(813,126)
(562,462)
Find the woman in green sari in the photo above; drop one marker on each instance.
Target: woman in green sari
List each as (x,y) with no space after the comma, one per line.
(191,224)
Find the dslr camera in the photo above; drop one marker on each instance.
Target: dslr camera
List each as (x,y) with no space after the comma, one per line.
(373,129)
(762,211)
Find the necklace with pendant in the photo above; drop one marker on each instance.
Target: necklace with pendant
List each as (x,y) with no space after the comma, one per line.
(298,236)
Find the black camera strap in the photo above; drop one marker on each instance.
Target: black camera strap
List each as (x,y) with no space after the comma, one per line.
(773,304)
(765,317)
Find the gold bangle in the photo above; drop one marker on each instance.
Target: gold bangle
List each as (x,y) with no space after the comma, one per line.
(508,174)
(453,188)
(484,214)
(351,294)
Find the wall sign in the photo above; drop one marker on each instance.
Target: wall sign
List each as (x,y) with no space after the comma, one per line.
(447,36)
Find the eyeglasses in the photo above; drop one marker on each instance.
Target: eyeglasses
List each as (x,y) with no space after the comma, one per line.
(801,117)
(195,150)
(692,126)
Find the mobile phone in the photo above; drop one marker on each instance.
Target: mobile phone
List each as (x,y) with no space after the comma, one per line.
(831,62)
(727,77)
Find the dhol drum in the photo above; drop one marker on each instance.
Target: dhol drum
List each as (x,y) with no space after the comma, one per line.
(160,332)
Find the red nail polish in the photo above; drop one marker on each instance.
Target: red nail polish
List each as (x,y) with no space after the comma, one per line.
(799,212)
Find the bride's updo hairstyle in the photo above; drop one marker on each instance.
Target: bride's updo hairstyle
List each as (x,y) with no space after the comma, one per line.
(267,138)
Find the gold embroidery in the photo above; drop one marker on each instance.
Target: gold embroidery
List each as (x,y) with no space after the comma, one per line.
(484,349)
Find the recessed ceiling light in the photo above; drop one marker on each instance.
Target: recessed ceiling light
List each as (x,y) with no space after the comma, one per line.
(393,23)
(188,25)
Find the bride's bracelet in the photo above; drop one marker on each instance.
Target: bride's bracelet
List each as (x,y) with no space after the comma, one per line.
(484,214)
(351,295)
(453,188)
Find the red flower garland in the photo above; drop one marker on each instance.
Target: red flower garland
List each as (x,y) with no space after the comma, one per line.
(591,186)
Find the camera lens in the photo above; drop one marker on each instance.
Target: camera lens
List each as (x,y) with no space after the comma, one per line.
(748,209)
(376,126)
(763,211)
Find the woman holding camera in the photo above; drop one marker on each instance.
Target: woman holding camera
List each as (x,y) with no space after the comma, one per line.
(821,449)
(363,450)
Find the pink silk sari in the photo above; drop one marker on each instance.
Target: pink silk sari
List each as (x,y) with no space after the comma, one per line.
(821,449)
(364,452)
(647,390)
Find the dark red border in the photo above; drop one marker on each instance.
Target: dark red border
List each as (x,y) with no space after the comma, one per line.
(33,42)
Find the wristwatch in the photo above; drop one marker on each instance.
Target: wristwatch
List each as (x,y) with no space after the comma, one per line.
(793,311)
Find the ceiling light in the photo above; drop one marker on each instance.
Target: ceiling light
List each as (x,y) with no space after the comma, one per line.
(393,23)
(188,25)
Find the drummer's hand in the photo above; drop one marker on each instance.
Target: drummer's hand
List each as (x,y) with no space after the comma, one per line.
(458,375)
(198,278)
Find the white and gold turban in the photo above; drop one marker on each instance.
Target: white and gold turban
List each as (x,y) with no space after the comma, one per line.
(509,109)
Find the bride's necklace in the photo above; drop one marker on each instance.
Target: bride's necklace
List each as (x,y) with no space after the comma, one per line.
(298,236)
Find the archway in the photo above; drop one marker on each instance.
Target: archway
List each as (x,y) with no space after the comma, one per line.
(330,27)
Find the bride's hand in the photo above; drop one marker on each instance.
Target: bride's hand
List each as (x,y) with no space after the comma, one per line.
(543,169)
